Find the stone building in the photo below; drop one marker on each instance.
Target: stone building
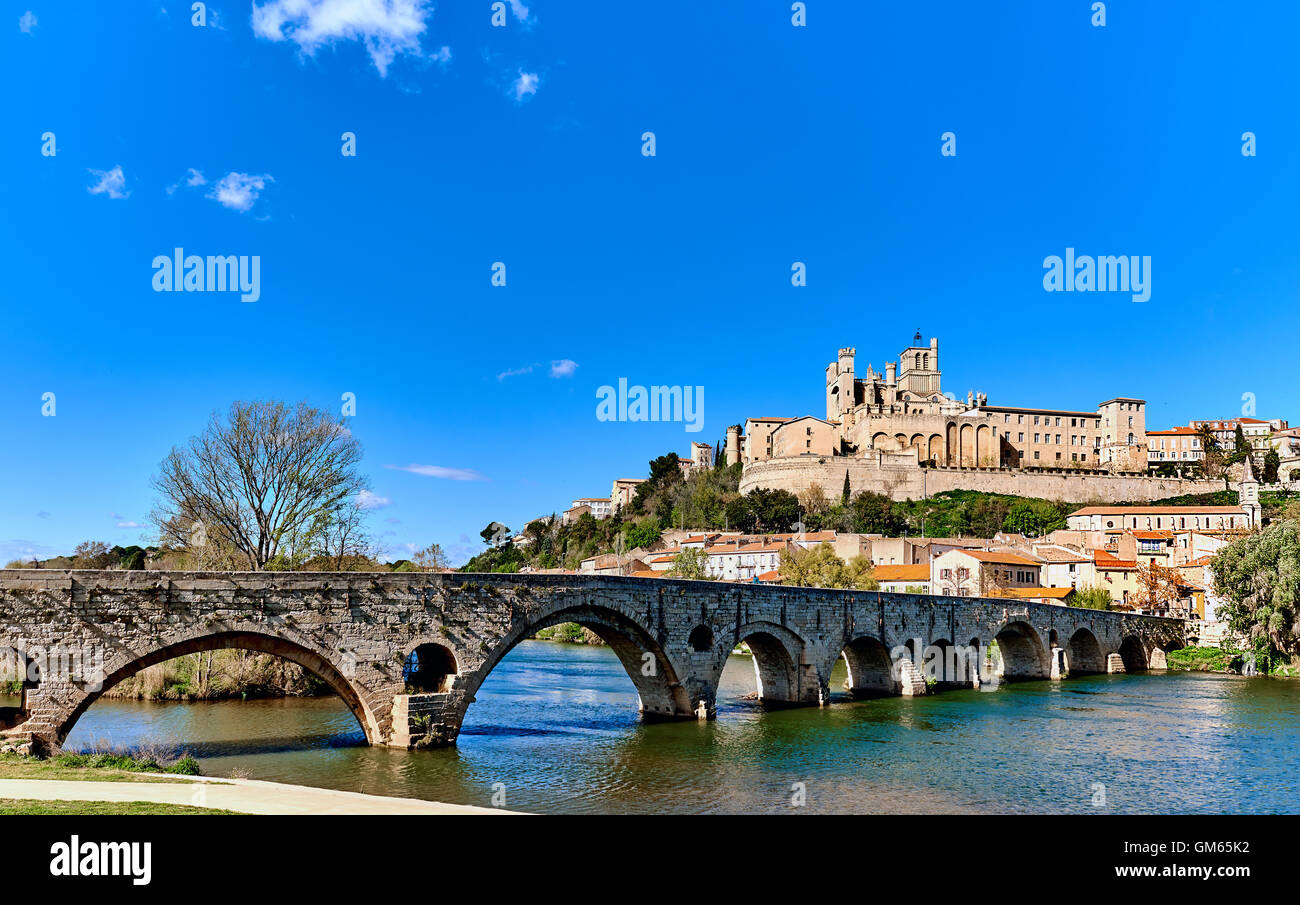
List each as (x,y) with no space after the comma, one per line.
(904,410)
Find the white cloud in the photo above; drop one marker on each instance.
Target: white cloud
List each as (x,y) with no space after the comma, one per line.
(26,22)
(516,372)
(238,191)
(23,549)
(111,183)
(368,500)
(439,471)
(386,27)
(521,12)
(442,56)
(193,178)
(128,524)
(525,85)
(563,368)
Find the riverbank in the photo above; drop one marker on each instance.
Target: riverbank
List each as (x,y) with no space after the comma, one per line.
(241,796)
(1216,659)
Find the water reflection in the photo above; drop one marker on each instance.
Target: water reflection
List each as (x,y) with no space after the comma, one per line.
(557,725)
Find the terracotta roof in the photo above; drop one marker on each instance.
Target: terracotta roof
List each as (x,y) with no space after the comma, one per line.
(1153,535)
(727,549)
(1052,555)
(770,577)
(1024,593)
(901,573)
(1111,564)
(995,557)
(812,535)
(1157,510)
(1063,412)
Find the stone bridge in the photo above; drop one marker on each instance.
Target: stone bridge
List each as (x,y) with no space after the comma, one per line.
(407,652)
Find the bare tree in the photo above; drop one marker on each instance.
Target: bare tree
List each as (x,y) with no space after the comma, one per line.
(339,535)
(92,554)
(431,558)
(258,481)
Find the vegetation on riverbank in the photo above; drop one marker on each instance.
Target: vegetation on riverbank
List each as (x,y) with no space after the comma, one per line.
(1259,575)
(1203,659)
(569,633)
(220,675)
(97,766)
(19,806)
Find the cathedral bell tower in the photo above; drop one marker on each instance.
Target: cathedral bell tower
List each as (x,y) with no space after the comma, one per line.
(1248,493)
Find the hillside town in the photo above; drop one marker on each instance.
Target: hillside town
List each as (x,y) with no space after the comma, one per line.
(1122,555)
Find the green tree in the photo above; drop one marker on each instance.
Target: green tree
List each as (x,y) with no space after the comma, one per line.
(875,513)
(690,563)
(642,534)
(1090,597)
(1272,462)
(819,567)
(773,510)
(1212,460)
(845,496)
(1033,518)
(1240,447)
(1260,577)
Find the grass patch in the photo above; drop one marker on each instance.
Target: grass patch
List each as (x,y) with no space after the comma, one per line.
(1201,659)
(16,806)
(100,767)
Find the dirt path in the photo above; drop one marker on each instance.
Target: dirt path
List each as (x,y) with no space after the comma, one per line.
(249,796)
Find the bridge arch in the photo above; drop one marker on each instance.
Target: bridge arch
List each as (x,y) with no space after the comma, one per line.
(1022,651)
(328,667)
(653,674)
(776,652)
(1084,652)
(870,669)
(430,667)
(1134,654)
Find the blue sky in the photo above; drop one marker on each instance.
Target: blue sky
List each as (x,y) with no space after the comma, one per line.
(522,144)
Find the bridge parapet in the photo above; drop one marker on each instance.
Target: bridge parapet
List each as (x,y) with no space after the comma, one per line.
(75,633)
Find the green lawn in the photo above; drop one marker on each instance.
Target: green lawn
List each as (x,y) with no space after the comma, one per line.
(25,806)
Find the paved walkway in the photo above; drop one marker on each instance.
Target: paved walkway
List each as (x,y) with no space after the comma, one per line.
(249,796)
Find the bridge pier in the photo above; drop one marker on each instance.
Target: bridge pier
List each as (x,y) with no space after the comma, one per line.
(407,652)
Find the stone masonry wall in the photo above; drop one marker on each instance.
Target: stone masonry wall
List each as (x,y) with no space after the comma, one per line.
(86,630)
(796,474)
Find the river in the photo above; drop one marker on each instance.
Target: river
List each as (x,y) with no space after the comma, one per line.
(555,729)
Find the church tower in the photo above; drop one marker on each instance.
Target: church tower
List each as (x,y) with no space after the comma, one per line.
(839,385)
(918,371)
(1248,493)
